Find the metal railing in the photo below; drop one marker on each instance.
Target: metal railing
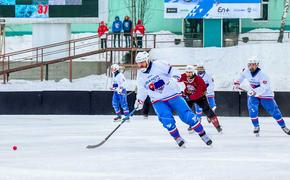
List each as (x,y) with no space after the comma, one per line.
(42,56)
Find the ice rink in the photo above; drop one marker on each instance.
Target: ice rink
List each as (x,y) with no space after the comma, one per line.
(53,147)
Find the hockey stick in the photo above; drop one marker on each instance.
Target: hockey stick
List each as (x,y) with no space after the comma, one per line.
(130,93)
(102,142)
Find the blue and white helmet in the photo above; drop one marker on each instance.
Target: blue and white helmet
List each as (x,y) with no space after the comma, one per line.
(253,60)
(115,67)
(189,68)
(142,56)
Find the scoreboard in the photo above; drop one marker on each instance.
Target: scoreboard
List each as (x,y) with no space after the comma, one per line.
(49,9)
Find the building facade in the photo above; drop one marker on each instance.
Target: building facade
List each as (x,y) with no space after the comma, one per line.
(205,30)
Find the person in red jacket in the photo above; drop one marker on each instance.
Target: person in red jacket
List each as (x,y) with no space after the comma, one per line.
(139,33)
(102,31)
(195,92)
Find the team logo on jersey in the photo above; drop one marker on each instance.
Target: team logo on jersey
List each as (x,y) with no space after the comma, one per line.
(265,82)
(190,88)
(156,84)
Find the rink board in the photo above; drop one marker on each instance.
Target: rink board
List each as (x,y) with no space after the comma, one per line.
(100,103)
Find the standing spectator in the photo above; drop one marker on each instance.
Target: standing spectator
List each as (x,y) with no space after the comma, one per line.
(102,31)
(127,28)
(139,33)
(117,28)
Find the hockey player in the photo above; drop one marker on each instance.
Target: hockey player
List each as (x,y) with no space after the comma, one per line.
(195,92)
(120,93)
(155,79)
(260,93)
(209,82)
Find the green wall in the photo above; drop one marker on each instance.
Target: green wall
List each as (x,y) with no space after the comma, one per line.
(154,18)
(275,11)
(155,22)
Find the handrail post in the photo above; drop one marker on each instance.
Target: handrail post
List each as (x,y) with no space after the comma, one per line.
(70,62)
(154,41)
(3,67)
(41,66)
(145,40)
(70,69)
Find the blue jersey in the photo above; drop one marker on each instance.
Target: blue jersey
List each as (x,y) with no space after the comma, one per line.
(117,26)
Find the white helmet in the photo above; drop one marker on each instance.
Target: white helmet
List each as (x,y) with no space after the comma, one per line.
(142,56)
(253,60)
(200,67)
(115,67)
(189,68)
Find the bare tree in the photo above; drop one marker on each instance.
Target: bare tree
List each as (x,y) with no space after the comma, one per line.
(283,20)
(138,9)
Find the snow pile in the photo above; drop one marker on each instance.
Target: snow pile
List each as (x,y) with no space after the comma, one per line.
(89,83)
(225,64)
(263,35)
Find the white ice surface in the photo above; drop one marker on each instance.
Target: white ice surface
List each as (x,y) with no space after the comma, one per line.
(53,147)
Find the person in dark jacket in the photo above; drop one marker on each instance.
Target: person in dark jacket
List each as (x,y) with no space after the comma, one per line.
(116,29)
(127,28)
(195,92)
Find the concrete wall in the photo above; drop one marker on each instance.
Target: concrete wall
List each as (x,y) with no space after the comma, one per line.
(60,70)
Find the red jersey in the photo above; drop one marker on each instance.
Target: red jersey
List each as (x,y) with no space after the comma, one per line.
(195,88)
(102,30)
(140,28)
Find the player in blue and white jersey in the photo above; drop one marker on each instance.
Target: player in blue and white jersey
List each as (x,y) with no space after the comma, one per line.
(209,82)
(260,93)
(120,93)
(157,80)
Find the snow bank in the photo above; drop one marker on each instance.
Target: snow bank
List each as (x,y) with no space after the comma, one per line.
(225,64)
(89,83)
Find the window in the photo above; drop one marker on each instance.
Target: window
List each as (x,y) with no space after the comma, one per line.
(264,11)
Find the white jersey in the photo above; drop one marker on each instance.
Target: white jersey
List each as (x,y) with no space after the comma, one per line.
(209,84)
(119,81)
(259,82)
(158,74)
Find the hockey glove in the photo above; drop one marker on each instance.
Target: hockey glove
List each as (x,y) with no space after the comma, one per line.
(120,90)
(251,93)
(186,98)
(138,104)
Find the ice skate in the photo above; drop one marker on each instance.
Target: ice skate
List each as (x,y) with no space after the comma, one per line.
(117,118)
(206,139)
(180,142)
(257,131)
(286,130)
(219,129)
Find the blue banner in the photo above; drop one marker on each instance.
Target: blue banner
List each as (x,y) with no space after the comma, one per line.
(218,9)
